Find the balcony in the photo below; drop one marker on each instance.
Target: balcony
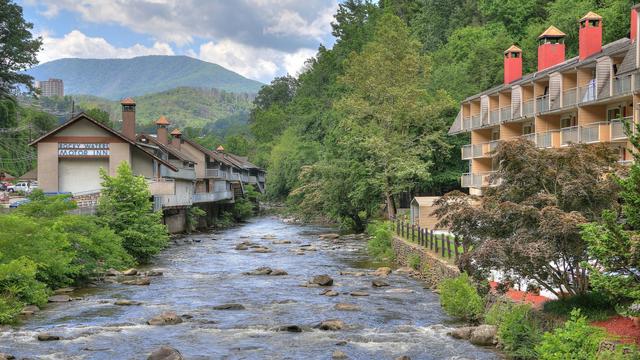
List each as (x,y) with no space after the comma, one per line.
(162,186)
(182,173)
(476,121)
(233,176)
(529,137)
(494,117)
(261,178)
(622,85)
(569,97)
(476,180)
(595,132)
(618,131)
(466,122)
(570,135)
(542,103)
(505,113)
(548,139)
(587,93)
(253,179)
(474,151)
(527,108)
(215,174)
(212,197)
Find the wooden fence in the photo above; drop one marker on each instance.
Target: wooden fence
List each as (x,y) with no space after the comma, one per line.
(442,244)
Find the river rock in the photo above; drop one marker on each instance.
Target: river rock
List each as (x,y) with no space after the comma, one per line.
(339,355)
(154,273)
(4,356)
(346,307)
(268,237)
(140,281)
(241,247)
(462,332)
(403,357)
(125,302)
(281,242)
(263,270)
(47,337)
(262,250)
(405,270)
(352,273)
(484,335)
(165,353)
(359,293)
(28,311)
(166,318)
(229,307)
(322,280)
(64,290)
(379,283)
(331,325)
(329,236)
(382,272)
(59,298)
(130,272)
(112,272)
(330,293)
(278,272)
(289,328)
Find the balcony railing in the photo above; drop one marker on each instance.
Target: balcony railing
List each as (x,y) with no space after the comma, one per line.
(587,93)
(476,121)
(261,178)
(529,137)
(527,108)
(547,139)
(466,122)
(476,180)
(569,97)
(505,113)
(473,151)
(212,197)
(182,173)
(215,173)
(542,103)
(570,135)
(618,131)
(494,117)
(622,85)
(594,132)
(476,150)
(162,186)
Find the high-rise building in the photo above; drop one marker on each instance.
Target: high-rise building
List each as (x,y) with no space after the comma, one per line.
(51,87)
(585,99)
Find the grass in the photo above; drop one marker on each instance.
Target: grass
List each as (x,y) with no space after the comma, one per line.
(593,306)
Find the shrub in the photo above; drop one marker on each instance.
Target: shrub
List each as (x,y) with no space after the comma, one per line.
(193,216)
(10,308)
(594,306)
(18,281)
(224,221)
(242,209)
(496,312)
(460,298)
(414,261)
(575,340)
(380,244)
(518,332)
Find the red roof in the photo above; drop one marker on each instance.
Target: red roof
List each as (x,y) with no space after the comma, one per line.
(127,101)
(220,148)
(176,131)
(162,121)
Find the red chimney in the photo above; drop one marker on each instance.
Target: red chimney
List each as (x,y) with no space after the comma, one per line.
(176,133)
(550,48)
(129,118)
(512,64)
(634,22)
(161,130)
(590,35)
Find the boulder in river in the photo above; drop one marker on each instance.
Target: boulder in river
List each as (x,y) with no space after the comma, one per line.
(229,307)
(5,356)
(346,307)
(379,283)
(47,337)
(139,281)
(322,280)
(382,272)
(28,311)
(289,328)
(339,355)
(64,290)
(130,272)
(278,272)
(463,332)
(262,250)
(403,357)
(331,325)
(165,353)
(352,273)
(484,335)
(241,247)
(281,242)
(154,273)
(329,292)
(263,270)
(112,272)
(329,236)
(405,270)
(59,298)
(166,318)
(125,302)
(359,293)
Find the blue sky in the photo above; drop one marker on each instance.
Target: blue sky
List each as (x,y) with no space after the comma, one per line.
(259,39)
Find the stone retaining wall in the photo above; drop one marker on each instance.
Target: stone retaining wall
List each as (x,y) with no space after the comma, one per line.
(432,268)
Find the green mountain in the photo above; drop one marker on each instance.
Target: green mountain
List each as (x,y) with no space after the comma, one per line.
(117,78)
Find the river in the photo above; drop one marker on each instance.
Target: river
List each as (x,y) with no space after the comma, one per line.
(206,270)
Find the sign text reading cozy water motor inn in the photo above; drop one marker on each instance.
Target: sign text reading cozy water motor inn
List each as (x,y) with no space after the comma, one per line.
(83,150)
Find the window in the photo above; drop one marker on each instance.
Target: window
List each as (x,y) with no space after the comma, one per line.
(568,121)
(527,129)
(614,113)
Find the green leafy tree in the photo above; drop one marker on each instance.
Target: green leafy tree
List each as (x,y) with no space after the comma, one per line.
(124,205)
(574,340)
(100,116)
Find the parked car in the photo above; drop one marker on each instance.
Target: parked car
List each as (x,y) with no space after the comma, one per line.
(15,204)
(4,185)
(23,186)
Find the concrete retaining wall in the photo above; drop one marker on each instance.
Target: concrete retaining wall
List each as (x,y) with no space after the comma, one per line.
(432,269)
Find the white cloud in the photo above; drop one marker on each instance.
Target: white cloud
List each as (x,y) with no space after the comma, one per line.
(294,63)
(77,44)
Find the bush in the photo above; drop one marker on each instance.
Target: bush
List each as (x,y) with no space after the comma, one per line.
(193,216)
(414,261)
(460,298)
(10,308)
(518,332)
(380,244)
(594,306)
(19,287)
(496,312)
(224,221)
(575,340)
(242,209)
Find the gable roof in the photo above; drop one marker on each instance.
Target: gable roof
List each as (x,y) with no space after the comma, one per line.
(173,151)
(83,116)
(552,31)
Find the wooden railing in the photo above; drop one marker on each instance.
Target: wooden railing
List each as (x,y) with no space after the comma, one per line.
(446,246)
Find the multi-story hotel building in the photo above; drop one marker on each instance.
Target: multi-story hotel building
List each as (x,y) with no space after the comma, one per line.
(51,87)
(585,99)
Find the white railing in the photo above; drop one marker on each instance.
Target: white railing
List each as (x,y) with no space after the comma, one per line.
(215,173)
(587,93)
(494,117)
(476,121)
(261,178)
(492,146)
(530,137)
(476,150)
(253,179)
(591,132)
(466,122)
(467,152)
(618,131)
(570,135)
(527,108)
(621,85)
(545,139)
(212,197)
(542,103)
(569,97)
(505,113)
(476,180)
(182,173)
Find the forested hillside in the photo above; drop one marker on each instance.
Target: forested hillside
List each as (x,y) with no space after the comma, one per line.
(367,120)
(118,78)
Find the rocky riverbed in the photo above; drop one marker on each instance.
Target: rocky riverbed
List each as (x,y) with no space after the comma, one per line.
(264,290)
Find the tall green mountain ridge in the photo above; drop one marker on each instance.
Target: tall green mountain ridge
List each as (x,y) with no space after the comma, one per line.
(117,78)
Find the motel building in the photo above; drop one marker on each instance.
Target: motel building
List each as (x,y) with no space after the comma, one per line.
(584,99)
(180,173)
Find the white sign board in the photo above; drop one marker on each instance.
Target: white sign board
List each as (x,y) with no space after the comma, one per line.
(83,150)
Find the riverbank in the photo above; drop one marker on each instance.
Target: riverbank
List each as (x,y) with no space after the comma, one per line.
(204,274)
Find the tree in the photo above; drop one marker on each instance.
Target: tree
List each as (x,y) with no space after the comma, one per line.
(529,223)
(18,48)
(388,122)
(100,116)
(125,207)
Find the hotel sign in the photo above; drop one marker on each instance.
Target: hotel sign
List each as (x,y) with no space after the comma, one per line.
(83,150)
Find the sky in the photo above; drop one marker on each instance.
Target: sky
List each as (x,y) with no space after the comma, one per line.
(259,39)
